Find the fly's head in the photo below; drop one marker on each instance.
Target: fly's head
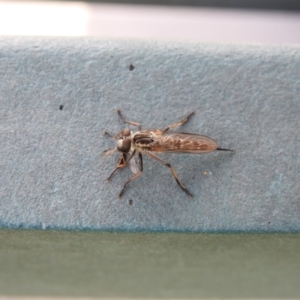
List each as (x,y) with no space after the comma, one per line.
(124,141)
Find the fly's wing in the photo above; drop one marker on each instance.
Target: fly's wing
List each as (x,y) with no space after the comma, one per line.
(181,142)
(134,166)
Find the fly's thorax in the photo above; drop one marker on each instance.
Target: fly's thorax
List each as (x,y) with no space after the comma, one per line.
(143,140)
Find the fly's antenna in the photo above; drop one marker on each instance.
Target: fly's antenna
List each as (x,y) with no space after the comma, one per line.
(222,149)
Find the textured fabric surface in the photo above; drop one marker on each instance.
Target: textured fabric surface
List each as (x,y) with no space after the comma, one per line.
(57,96)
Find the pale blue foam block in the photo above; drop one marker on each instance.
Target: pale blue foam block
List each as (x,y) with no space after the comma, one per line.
(58,95)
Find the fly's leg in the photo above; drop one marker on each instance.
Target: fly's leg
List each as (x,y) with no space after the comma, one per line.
(138,125)
(131,156)
(135,176)
(108,152)
(173,173)
(121,164)
(108,134)
(179,123)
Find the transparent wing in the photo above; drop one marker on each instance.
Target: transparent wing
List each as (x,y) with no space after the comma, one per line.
(134,166)
(182,142)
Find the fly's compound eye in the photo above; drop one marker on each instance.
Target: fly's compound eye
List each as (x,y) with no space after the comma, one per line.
(124,146)
(126,132)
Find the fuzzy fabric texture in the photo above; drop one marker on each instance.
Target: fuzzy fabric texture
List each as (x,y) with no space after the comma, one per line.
(58,95)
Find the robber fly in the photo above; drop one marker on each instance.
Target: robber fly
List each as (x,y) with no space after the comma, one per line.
(158,140)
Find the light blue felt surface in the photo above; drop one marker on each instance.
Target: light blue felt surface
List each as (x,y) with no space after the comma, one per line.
(52,170)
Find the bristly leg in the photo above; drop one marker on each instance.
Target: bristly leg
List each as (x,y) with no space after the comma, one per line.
(138,125)
(131,156)
(121,164)
(183,121)
(109,151)
(108,134)
(135,176)
(173,173)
